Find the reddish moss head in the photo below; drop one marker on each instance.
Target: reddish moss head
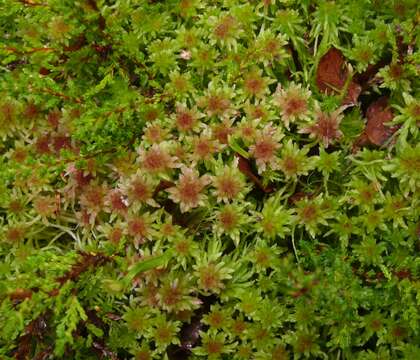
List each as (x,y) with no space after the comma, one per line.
(326,128)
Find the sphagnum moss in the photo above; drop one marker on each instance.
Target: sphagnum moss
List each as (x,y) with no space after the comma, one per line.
(201,179)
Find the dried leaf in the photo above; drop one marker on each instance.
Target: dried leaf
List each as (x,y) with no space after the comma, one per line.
(332,74)
(360,142)
(378,114)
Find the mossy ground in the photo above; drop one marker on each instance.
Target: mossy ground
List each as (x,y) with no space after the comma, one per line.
(201,179)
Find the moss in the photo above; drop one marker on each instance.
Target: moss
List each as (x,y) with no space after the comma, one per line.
(209,179)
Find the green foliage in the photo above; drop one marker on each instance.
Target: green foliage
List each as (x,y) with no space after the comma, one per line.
(70,319)
(205,180)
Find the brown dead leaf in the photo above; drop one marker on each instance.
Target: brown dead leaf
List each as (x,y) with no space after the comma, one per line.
(376,131)
(378,114)
(332,74)
(360,142)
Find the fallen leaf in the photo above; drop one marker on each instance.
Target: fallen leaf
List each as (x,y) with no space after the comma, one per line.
(360,142)
(332,74)
(378,114)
